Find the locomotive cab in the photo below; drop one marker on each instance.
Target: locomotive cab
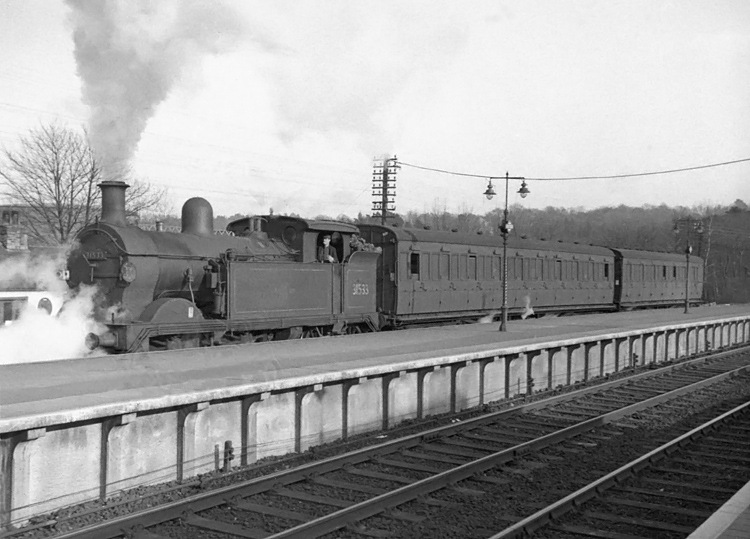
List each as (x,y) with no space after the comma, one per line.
(303,236)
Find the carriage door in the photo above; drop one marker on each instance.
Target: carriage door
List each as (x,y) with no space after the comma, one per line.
(619,271)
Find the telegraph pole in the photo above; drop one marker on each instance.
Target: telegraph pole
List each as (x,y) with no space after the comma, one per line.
(384,186)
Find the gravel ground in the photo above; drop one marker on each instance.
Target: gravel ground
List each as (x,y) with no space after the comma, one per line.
(544,478)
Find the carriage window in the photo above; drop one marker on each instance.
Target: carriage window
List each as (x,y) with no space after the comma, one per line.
(414,265)
(664,272)
(463,267)
(472,268)
(558,270)
(454,267)
(7,311)
(606,272)
(674,272)
(45,305)
(434,273)
(6,217)
(497,265)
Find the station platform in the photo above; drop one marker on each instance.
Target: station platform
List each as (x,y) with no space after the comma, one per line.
(38,394)
(112,423)
(731,521)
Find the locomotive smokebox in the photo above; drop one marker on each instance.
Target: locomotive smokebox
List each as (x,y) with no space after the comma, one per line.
(113,202)
(198,217)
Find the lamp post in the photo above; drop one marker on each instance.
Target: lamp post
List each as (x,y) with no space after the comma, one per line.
(689,224)
(505,228)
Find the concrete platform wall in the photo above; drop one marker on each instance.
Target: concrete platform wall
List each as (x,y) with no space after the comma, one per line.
(62,464)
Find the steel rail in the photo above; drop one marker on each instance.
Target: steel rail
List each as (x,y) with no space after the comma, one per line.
(543,517)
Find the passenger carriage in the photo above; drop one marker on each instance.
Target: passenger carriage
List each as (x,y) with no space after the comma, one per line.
(652,279)
(427,276)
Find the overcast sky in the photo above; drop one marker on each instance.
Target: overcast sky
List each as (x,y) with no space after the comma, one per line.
(284,104)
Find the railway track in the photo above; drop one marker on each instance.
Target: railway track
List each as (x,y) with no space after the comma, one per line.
(376,490)
(667,493)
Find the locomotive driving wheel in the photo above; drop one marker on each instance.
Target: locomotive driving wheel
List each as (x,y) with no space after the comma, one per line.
(312,332)
(354,329)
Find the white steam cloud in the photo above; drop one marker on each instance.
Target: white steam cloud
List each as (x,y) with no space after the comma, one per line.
(36,335)
(33,272)
(131,53)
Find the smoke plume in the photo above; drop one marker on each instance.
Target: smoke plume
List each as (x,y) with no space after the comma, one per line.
(131,53)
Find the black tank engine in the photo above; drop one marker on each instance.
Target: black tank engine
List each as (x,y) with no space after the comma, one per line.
(258,282)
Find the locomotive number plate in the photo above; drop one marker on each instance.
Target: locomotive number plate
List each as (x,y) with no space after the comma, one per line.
(95,255)
(360,289)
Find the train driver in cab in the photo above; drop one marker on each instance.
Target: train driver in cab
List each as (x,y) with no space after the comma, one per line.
(327,253)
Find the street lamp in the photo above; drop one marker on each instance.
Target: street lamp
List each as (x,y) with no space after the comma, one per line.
(689,224)
(506,227)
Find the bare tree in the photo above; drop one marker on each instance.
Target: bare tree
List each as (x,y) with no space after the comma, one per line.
(54,174)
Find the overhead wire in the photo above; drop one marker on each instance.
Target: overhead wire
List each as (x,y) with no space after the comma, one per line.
(569,178)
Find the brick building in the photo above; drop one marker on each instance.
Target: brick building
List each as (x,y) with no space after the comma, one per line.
(13,229)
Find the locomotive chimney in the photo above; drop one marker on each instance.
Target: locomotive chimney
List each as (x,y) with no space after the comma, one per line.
(113,202)
(198,217)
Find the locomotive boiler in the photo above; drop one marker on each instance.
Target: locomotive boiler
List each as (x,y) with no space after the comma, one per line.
(160,290)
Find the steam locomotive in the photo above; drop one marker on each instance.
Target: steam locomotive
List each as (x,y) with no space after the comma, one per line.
(263,281)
